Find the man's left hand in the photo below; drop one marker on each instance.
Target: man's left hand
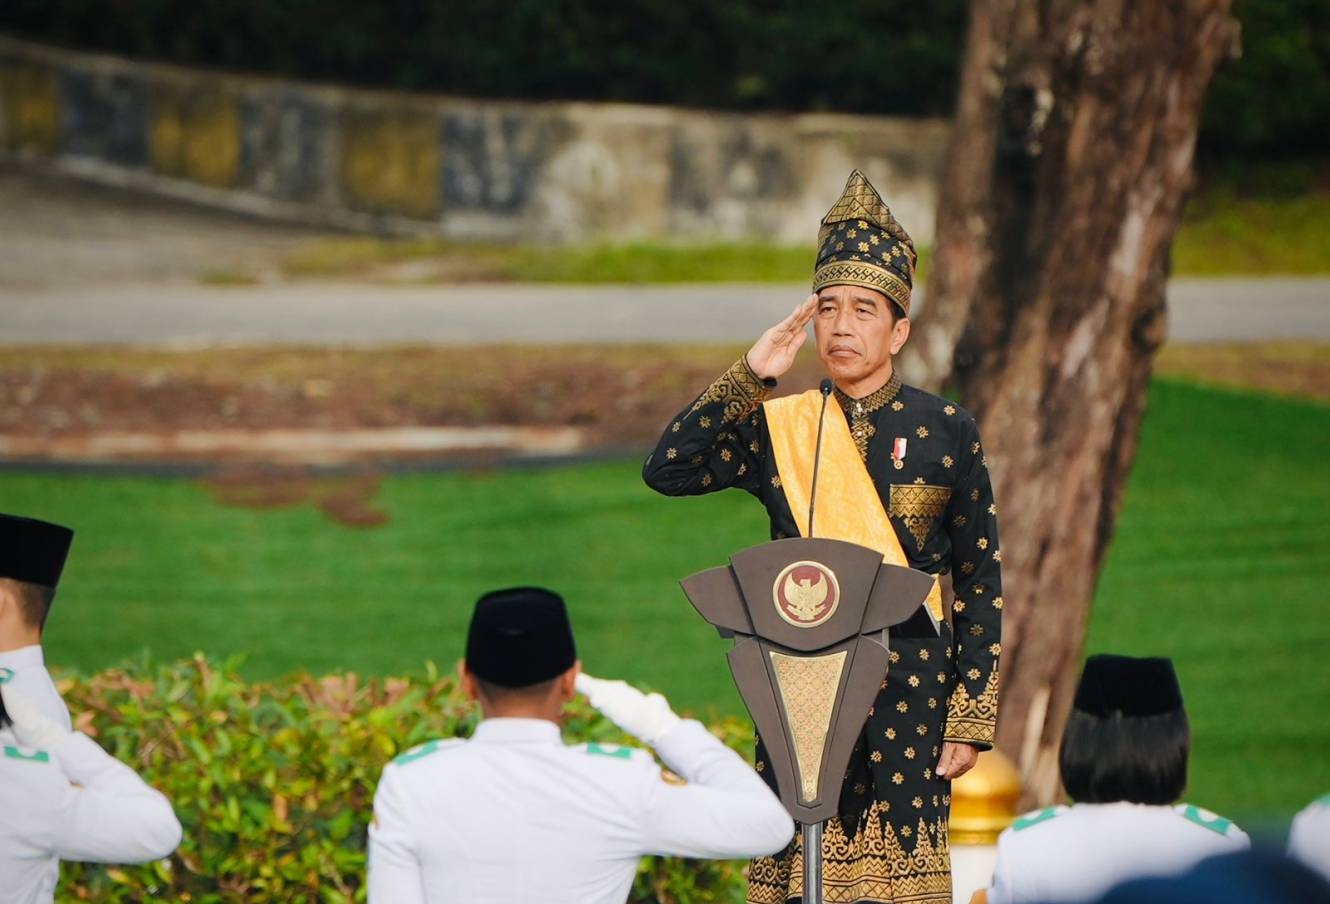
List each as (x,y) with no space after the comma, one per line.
(957,759)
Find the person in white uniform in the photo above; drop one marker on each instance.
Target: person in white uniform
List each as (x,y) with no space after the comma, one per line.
(64,798)
(1123,761)
(515,815)
(1309,836)
(32,558)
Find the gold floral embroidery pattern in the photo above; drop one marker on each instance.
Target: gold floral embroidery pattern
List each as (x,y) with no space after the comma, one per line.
(860,411)
(869,276)
(871,866)
(807,686)
(738,389)
(973,719)
(920,506)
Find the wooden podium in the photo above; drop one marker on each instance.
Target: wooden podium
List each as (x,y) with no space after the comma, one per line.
(810,620)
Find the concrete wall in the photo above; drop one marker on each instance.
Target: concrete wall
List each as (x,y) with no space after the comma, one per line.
(427,164)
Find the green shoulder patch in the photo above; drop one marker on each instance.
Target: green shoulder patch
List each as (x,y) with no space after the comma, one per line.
(617,751)
(420,751)
(36,756)
(6,675)
(1205,819)
(1038,816)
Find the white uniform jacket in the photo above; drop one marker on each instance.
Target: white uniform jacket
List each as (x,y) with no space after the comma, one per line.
(113,817)
(1309,836)
(25,670)
(1072,854)
(514,815)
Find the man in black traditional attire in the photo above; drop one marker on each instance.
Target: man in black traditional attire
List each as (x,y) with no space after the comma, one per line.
(901,471)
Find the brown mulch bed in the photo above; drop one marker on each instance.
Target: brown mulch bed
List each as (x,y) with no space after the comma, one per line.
(619,396)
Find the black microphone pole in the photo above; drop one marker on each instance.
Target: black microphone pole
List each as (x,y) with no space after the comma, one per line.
(812,834)
(825,388)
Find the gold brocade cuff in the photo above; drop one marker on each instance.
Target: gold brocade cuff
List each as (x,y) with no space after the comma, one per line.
(977,734)
(738,389)
(973,720)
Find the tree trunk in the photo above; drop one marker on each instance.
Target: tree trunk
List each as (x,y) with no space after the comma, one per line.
(1070,161)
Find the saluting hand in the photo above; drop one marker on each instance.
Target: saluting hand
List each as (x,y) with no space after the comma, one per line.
(773,354)
(29,724)
(646,716)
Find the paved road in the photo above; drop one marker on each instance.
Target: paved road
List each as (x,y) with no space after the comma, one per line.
(81,264)
(185,313)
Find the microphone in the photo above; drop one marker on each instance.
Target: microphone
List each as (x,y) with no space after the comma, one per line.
(825,388)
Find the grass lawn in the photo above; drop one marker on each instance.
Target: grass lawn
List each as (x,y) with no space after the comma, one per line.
(1218,562)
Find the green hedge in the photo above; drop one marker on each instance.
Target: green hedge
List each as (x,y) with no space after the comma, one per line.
(274,783)
(870,56)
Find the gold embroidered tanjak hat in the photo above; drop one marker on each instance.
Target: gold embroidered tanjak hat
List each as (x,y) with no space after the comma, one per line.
(861,244)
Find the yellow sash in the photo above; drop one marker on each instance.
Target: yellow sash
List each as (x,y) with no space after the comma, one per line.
(849,508)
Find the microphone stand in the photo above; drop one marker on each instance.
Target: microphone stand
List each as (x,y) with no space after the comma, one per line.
(825,389)
(812,834)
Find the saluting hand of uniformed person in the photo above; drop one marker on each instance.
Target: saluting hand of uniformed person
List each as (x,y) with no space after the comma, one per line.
(30,726)
(774,352)
(644,716)
(73,801)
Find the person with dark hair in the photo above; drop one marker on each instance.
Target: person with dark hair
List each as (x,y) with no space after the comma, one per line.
(1123,761)
(32,558)
(902,472)
(64,798)
(61,796)
(515,815)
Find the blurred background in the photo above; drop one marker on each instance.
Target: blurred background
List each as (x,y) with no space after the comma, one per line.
(319,319)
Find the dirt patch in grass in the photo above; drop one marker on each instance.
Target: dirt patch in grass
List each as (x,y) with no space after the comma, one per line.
(347,500)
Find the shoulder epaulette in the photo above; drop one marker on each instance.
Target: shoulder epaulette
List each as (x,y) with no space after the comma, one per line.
(1204,818)
(420,751)
(1038,816)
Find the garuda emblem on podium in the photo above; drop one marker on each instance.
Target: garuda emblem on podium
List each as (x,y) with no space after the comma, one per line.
(806,594)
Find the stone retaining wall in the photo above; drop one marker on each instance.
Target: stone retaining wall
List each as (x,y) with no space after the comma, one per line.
(401,163)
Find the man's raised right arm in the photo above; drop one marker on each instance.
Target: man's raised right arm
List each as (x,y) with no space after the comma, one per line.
(716,442)
(712,444)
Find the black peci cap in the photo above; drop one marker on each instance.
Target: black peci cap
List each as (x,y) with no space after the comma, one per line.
(1128,686)
(520,636)
(33,551)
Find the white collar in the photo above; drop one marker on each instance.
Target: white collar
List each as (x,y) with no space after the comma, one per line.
(23,658)
(517,731)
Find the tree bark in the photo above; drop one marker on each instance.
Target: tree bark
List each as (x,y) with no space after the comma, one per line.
(1070,162)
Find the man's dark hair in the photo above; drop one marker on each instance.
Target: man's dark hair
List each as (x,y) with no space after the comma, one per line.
(34,600)
(1139,759)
